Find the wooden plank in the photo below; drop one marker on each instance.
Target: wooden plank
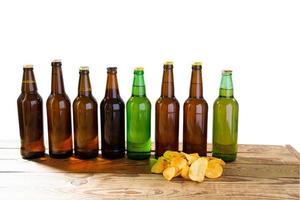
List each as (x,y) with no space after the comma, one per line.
(141,167)
(116,186)
(293,151)
(260,172)
(247,153)
(15,144)
(8,144)
(283,156)
(72,164)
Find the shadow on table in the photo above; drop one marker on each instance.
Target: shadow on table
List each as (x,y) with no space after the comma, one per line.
(96,165)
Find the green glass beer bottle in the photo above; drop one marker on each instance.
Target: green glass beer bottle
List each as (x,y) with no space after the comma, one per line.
(225,121)
(138,119)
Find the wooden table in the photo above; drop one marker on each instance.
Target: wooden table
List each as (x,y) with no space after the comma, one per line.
(260,172)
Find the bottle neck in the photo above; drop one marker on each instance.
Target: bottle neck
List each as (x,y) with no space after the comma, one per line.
(138,88)
(226,88)
(84,86)
(167,88)
(28,82)
(57,86)
(112,88)
(196,88)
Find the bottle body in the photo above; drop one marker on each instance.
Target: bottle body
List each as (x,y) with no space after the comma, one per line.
(195,116)
(138,110)
(166,115)
(195,126)
(138,128)
(225,123)
(59,117)
(113,128)
(30,113)
(85,117)
(112,110)
(59,126)
(166,125)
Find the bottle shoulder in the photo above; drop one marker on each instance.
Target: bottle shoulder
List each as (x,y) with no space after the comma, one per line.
(84,100)
(58,98)
(29,97)
(20,97)
(24,95)
(226,101)
(112,102)
(138,100)
(195,101)
(167,101)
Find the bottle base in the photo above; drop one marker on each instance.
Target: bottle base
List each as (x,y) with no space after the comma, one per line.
(225,157)
(138,155)
(86,155)
(195,149)
(32,155)
(113,154)
(61,155)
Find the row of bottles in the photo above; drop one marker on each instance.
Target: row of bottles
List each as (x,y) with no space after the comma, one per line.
(138,115)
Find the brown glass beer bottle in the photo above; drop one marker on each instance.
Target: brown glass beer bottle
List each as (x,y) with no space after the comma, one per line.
(195,115)
(166,115)
(30,111)
(85,119)
(112,118)
(59,116)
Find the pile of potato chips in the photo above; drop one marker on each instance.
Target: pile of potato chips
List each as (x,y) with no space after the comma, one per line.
(189,166)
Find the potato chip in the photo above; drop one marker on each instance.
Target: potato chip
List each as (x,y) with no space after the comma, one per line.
(178,172)
(190,157)
(194,155)
(178,162)
(189,166)
(217,160)
(185,172)
(159,166)
(214,169)
(172,154)
(169,173)
(197,169)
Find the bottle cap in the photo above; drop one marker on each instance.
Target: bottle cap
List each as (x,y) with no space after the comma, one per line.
(197,65)
(227,72)
(168,65)
(28,66)
(56,63)
(56,60)
(84,68)
(139,69)
(169,62)
(111,68)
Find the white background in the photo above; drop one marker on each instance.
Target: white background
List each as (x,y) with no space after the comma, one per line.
(258,40)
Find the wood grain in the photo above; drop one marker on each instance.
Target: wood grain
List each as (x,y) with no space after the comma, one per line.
(126,186)
(260,172)
(293,151)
